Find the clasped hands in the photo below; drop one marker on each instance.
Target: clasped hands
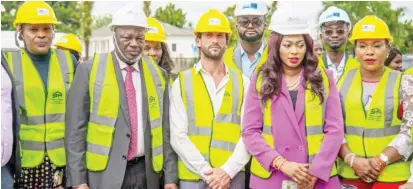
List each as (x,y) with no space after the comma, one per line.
(298,172)
(368,169)
(217,178)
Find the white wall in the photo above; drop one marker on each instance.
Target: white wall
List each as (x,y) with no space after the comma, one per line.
(185,46)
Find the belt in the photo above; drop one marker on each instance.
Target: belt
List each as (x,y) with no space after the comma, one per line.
(136,160)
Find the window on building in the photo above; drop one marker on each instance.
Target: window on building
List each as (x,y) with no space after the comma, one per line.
(173,47)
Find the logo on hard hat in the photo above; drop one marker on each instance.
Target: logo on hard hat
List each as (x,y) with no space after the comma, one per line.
(214,21)
(42,12)
(335,14)
(250,6)
(368,28)
(153,30)
(63,40)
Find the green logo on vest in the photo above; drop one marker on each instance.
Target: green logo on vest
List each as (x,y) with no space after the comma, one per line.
(227,96)
(152,102)
(57,98)
(374,114)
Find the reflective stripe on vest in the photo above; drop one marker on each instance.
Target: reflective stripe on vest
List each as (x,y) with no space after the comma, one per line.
(42,117)
(314,121)
(351,63)
(206,130)
(104,108)
(232,58)
(369,133)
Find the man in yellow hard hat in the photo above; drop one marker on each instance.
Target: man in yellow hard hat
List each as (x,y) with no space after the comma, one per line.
(206,111)
(72,43)
(43,76)
(117,134)
(156,47)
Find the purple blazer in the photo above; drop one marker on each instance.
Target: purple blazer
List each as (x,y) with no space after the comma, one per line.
(288,128)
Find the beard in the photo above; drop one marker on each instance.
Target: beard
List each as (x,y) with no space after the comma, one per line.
(256,37)
(212,55)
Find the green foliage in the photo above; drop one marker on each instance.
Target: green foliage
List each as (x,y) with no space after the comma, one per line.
(147,8)
(171,15)
(401,31)
(85,26)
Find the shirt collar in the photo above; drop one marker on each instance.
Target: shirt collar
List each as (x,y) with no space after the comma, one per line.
(123,65)
(259,52)
(341,65)
(198,68)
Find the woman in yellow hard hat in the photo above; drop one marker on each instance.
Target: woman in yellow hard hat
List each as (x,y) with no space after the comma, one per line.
(43,76)
(376,140)
(156,47)
(72,43)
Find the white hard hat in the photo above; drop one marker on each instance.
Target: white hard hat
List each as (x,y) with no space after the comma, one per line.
(251,8)
(334,14)
(129,15)
(286,23)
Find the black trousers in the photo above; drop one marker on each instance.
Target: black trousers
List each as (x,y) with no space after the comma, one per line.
(135,176)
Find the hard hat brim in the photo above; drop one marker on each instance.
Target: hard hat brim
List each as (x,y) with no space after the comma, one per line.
(15,24)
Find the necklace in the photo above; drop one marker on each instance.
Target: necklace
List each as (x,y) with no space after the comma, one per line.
(294,85)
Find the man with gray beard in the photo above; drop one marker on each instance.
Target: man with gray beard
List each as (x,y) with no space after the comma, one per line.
(251,50)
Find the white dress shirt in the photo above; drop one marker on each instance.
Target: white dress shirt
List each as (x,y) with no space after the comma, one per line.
(136,77)
(337,70)
(180,141)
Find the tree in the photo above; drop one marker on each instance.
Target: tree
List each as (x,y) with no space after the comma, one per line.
(65,13)
(271,10)
(85,26)
(401,31)
(147,8)
(171,15)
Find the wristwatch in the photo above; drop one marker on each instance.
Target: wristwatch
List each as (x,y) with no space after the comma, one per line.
(384,158)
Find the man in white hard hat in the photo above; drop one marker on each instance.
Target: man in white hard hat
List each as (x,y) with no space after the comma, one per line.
(335,27)
(117,133)
(251,50)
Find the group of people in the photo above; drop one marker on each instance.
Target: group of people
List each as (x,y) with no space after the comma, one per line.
(263,114)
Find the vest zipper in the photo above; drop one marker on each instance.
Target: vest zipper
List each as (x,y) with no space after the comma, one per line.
(365,116)
(213,118)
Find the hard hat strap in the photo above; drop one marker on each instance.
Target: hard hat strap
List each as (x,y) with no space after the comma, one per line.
(121,53)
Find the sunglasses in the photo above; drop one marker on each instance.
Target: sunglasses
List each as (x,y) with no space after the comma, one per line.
(254,23)
(330,32)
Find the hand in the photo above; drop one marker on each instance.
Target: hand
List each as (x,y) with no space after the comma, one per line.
(82,186)
(171,186)
(217,178)
(364,170)
(408,185)
(375,164)
(297,172)
(309,185)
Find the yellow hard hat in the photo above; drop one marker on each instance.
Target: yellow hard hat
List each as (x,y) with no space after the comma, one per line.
(370,27)
(70,41)
(155,31)
(213,21)
(35,12)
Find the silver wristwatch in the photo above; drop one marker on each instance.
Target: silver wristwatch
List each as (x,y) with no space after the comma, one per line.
(384,158)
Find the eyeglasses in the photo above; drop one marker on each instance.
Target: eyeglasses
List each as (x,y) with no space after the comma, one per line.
(246,23)
(330,32)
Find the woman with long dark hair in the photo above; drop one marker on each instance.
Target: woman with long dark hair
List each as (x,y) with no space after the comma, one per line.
(156,47)
(293,124)
(394,60)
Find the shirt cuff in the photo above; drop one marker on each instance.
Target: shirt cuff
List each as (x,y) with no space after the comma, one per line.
(229,170)
(403,145)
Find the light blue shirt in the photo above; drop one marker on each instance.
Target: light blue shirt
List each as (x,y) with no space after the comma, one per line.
(248,66)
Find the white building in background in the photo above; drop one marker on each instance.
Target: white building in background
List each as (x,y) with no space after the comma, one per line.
(181,41)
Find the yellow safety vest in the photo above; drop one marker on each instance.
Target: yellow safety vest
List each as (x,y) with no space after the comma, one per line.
(350,61)
(314,123)
(232,58)
(104,108)
(409,71)
(214,135)
(368,133)
(42,110)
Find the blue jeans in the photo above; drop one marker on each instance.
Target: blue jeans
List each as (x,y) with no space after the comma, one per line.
(6,177)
